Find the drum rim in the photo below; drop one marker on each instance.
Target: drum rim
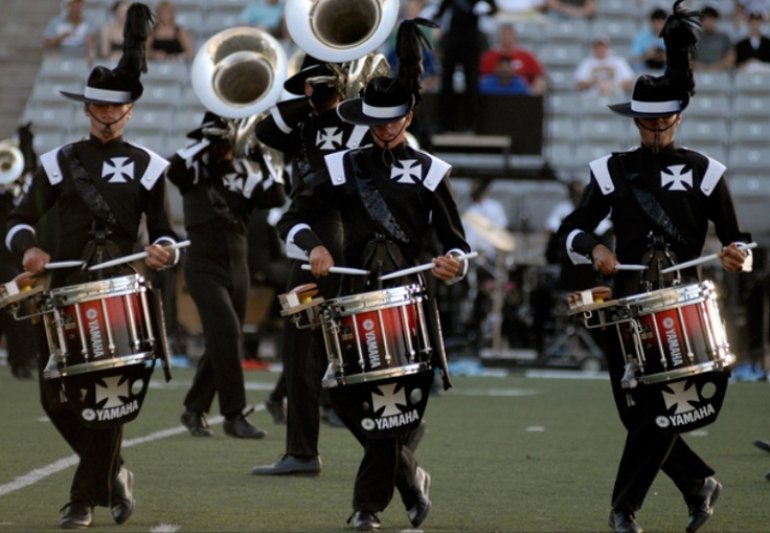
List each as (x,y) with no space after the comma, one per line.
(97,290)
(101,364)
(376,375)
(687,371)
(671,297)
(363,302)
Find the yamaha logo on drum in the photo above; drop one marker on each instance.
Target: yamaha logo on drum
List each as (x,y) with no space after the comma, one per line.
(95,331)
(690,407)
(372,343)
(388,400)
(672,339)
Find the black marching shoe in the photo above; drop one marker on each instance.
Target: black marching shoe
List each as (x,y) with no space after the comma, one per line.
(276,410)
(76,515)
(240,428)
(762,445)
(122,497)
(196,423)
(623,522)
(703,503)
(290,464)
(365,521)
(419,512)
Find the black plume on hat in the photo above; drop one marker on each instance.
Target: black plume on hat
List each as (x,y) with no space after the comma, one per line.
(122,84)
(388,99)
(659,96)
(410,47)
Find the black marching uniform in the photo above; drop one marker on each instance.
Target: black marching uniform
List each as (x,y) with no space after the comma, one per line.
(104,188)
(218,198)
(387,209)
(672,194)
(19,337)
(305,138)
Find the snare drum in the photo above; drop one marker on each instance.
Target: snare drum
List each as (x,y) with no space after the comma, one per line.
(99,325)
(375,335)
(667,334)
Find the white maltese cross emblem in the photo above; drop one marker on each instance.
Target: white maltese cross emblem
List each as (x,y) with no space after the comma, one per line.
(113,390)
(329,138)
(233,182)
(388,399)
(406,171)
(682,394)
(674,176)
(118,170)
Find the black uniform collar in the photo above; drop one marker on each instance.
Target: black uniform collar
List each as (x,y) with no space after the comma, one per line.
(97,143)
(668,150)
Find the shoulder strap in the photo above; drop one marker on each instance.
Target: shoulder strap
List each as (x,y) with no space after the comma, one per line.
(714,172)
(601,170)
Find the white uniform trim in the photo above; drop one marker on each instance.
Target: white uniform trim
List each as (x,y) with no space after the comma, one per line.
(335,167)
(438,169)
(14,230)
(601,171)
(713,174)
(50,163)
(168,240)
(576,258)
(188,152)
(356,136)
(155,169)
(253,177)
(292,250)
(276,114)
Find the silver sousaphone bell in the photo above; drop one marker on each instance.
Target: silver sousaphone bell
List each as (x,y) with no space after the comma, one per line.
(337,31)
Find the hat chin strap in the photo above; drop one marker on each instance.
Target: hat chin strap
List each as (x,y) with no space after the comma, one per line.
(107,126)
(387,155)
(657,131)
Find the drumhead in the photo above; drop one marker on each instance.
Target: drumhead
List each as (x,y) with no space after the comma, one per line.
(369,301)
(95,290)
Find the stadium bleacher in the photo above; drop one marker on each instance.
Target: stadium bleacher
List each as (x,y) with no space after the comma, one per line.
(727,118)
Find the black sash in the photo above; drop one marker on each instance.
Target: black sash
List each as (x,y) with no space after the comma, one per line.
(652,208)
(375,205)
(88,192)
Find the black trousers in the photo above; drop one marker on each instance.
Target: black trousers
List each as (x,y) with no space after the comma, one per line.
(99,450)
(19,335)
(647,449)
(304,354)
(217,276)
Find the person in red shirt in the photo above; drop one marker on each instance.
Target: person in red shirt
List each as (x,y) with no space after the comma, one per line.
(524,62)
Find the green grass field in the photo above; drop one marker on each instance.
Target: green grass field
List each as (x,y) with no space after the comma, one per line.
(509,453)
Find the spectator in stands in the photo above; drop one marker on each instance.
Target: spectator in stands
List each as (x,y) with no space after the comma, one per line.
(461,44)
(742,8)
(169,41)
(752,54)
(647,50)
(571,9)
(715,51)
(111,34)
(520,9)
(524,62)
(266,15)
(70,34)
(504,80)
(603,73)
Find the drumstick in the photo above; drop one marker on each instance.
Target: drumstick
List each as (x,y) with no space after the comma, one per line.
(630,267)
(704,259)
(340,270)
(63,264)
(420,268)
(135,257)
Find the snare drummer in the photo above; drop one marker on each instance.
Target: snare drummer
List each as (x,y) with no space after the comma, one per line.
(390,196)
(101,186)
(672,192)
